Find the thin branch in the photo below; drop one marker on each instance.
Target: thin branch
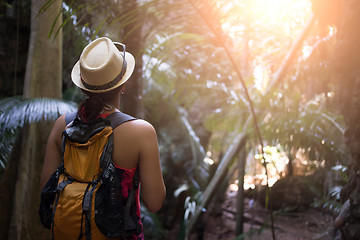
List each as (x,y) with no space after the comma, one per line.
(331,120)
(279,75)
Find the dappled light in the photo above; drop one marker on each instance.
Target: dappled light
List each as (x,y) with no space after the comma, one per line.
(254,104)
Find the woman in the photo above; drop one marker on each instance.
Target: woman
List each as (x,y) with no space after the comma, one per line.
(101,73)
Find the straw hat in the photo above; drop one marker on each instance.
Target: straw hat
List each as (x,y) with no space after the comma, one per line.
(103,66)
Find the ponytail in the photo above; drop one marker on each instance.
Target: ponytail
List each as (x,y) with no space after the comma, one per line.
(91,108)
(94,105)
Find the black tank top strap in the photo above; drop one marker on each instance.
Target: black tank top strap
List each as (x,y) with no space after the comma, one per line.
(118,118)
(115,118)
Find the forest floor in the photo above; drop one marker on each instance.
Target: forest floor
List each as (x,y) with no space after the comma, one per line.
(305,224)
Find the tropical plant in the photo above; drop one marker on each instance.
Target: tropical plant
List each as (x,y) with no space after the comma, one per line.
(224,102)
(16,112)
(195,93)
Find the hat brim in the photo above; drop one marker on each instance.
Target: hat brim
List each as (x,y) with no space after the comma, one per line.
(76,77)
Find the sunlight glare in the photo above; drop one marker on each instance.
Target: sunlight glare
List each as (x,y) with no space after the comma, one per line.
(261,78)
(264,29)
(208,159)
(234,187)
(332,31)
(306,51)
(280,11)
(279,17)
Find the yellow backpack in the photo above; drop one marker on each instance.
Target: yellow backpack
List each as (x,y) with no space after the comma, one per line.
(83,198)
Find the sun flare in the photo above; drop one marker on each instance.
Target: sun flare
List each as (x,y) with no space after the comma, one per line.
(280,11)
(279,16)
(268,28)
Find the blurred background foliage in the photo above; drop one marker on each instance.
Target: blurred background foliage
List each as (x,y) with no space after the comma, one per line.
(191,92)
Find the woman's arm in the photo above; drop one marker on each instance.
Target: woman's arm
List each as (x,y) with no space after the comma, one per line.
(53,151)
(152,185)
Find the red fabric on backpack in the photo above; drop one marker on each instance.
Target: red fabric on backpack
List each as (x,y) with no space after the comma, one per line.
(126,185)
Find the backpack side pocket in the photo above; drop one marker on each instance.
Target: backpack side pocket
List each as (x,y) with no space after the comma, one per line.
(109,206)
(48,195)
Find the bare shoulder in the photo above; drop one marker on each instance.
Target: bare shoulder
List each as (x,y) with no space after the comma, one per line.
(57,130)
(139,126)
(60,124)
(143,125)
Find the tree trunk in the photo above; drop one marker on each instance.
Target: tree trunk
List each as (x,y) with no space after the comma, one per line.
(236,146)
(131,101)
(347,61)
(240,194)
(42,79)
(44,64)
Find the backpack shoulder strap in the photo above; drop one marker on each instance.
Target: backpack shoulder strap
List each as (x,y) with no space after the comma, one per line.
(118,118)
(129,222)
(115,119)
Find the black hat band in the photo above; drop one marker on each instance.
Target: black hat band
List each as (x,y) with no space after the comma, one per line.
(109,84)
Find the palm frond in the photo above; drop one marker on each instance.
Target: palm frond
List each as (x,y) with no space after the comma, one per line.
(6,143)
(15,112)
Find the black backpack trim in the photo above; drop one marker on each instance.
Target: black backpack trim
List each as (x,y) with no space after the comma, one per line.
(115,216)
(48,196)
(82,132)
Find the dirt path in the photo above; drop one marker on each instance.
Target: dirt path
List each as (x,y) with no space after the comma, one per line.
(307,224)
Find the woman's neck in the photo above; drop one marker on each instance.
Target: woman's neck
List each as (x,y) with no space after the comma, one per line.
(112,106)
(116,102)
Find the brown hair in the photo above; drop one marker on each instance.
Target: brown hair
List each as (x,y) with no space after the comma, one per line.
(92,107)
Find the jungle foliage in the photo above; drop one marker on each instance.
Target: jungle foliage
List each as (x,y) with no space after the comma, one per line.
(199,85)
